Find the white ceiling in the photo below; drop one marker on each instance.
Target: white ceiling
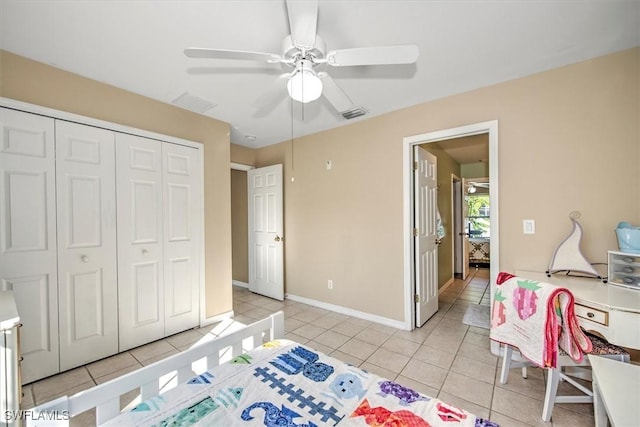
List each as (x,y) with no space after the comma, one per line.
(138,46)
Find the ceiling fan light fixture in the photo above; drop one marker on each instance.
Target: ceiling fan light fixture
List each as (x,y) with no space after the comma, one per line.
(304,86)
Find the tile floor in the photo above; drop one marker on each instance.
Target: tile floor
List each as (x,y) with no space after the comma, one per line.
(445,358)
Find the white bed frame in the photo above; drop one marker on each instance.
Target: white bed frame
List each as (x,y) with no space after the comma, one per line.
(105,398)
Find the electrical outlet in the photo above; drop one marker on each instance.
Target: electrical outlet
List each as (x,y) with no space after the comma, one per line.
(329,165)
(330,284)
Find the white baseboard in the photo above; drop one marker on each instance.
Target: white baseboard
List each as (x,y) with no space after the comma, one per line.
(218,318)
(239,283)
(350,312)
(446,285)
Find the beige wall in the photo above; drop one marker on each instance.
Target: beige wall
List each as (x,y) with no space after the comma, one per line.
(28,81)
(239,226)
(474,170)
(568,140)
(243,155)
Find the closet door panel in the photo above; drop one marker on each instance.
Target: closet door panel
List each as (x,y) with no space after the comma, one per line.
(140,237)
(182,210)
(87,270)
(28,264)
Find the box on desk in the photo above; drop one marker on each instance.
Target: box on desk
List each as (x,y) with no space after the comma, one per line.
(624,269)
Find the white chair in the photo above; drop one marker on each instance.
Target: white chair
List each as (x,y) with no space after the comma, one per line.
(512,360)
(561,373)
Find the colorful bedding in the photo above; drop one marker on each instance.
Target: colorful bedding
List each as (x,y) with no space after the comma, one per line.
(479,250)
(283,383)
(538,318)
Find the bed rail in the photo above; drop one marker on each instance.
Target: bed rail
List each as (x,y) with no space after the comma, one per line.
(105,398)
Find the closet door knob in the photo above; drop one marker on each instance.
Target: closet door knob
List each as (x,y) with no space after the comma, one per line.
(84,258)
(145,252)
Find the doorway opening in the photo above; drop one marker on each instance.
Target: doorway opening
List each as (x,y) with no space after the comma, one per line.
(239,225)
(257,253)
(478,222)
(489,128)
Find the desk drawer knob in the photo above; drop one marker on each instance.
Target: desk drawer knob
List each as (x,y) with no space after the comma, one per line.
(590,315)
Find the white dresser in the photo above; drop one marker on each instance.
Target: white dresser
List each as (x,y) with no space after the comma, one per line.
(609,309)
(10,388)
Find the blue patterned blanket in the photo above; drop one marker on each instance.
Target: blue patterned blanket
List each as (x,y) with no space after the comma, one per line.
(283,383)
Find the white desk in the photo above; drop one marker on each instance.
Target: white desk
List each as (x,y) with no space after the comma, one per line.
(616,392)
(611,310)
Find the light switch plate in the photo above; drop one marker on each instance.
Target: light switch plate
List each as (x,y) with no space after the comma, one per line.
(529,226)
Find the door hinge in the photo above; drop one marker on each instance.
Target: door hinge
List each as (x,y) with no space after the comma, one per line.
(416,298)
(415,166)
(415,232)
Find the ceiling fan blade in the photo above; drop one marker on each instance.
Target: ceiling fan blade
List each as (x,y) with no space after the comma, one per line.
(334,94)
(380,55)
(201,52)
(303,21)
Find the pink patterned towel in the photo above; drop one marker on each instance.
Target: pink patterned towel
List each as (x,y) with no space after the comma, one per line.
(537,318)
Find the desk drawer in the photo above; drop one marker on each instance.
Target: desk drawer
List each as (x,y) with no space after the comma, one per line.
(592,314)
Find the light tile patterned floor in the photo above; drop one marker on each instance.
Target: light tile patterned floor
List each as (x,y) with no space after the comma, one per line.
(444,358)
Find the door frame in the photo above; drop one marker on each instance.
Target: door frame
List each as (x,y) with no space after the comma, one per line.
(457,225)
(488,127)
(464,240)
(244,168)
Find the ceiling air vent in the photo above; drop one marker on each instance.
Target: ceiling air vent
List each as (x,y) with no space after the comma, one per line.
(193,103)
(353,113)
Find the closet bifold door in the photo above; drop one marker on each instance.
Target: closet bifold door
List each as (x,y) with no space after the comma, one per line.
(28,265)
(140,240)
(182,219)
(87,271)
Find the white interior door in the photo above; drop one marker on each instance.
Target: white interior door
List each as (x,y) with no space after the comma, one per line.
(181,216)
(140,241)
(87,268)
(425,241)
(28,264)
(465,231)
(266,240)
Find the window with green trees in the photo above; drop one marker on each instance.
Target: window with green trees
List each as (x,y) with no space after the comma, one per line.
(479,224)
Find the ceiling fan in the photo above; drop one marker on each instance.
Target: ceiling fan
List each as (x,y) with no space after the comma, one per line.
(472,186)
(304,51)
